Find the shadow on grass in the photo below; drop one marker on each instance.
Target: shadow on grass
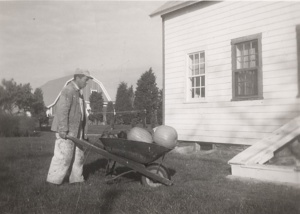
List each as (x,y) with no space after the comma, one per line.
(109,199)
(171,172)
(93,167)
(136,176)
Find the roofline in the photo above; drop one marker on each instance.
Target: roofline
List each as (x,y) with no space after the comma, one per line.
(97,81)
(173,8)
(103,89)
(52,104)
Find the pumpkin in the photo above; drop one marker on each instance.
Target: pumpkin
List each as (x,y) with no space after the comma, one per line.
(139,134)
(165,136)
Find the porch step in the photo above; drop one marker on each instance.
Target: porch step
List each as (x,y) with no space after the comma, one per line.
(263,150)
(280,174)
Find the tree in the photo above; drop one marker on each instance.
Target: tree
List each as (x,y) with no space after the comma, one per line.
(8,92)
(96,104)
(146,94)
(123,103)
(131,96)
(38,109)
(2,98)
(110,113)
(160,107)
(24,97)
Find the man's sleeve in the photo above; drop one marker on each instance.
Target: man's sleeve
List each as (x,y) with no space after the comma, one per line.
(63,110)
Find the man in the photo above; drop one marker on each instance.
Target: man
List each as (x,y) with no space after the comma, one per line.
(70,119)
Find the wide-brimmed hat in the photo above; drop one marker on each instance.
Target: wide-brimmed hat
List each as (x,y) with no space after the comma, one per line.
(83,72)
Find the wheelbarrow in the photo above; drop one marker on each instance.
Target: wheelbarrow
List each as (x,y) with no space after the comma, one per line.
(136,155)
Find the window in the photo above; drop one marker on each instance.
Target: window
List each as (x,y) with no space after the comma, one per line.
(247,68)
(196,75)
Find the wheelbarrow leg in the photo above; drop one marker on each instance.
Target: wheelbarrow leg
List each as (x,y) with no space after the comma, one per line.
(110,170)
(160,164)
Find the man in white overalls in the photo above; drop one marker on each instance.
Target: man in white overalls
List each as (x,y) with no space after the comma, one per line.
(70,119)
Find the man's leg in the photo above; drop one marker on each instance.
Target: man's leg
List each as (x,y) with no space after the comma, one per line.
(77,168)
(61,160)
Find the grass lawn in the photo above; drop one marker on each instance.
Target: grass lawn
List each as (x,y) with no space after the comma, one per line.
(200,185)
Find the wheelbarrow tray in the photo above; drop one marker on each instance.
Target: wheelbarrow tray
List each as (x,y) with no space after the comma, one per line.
(137,151)
(139,167)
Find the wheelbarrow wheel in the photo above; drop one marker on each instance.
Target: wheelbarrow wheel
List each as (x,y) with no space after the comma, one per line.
(157,169)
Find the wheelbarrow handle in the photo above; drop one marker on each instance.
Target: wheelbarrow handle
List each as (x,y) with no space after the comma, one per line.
(81,142)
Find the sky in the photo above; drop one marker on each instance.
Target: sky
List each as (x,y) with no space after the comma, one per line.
(45,40)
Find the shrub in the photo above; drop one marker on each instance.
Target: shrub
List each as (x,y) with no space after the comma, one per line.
(13,125)
(26,126)
(8,125)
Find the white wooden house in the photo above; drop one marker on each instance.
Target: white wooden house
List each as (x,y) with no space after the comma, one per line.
(231,69)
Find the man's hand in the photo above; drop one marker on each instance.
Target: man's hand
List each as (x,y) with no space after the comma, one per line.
(63,135)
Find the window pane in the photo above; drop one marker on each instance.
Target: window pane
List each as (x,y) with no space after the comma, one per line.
(246,48)
(202,68)
(254,47)
(238,62)
(197,92)
(203,81)
(202,57)
(246,83)
(239,49)
(196,59)
(253,61)
(190,70)
(193,81)
(253,54)
(246,62)
(197,69)
(191,57)
(193,93)
(202,92)
(197,81)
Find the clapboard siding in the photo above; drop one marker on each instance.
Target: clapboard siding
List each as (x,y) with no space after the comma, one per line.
(222,40)
(216,139)
(245,29)
(246,13)
(281,43)
(274,73)
(231,128)
(294,103)
(245,122)
(237,109)
(234,115)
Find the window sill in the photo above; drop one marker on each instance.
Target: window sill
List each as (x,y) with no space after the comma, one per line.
(247,98)
(195,101)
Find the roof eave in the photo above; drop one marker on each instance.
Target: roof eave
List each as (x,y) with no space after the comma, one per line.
(171,9)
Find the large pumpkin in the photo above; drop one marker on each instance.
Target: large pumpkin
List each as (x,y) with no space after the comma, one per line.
(139,134)
(165,136)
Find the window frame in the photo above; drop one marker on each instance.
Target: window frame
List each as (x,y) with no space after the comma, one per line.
(245,39)
(189,97)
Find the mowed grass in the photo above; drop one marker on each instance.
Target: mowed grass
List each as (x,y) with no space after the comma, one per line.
(200,185)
